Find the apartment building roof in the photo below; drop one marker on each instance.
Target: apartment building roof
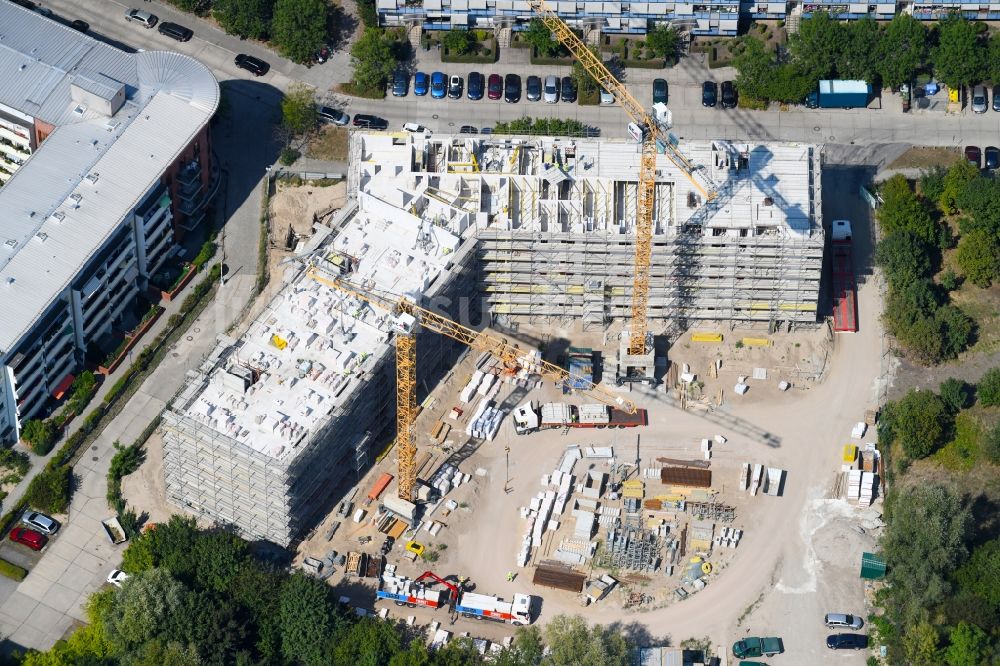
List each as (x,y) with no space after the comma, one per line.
(299,362)
(120,120)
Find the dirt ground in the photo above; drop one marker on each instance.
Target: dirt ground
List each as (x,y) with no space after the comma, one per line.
(146,488)
(330,143)
(922,157)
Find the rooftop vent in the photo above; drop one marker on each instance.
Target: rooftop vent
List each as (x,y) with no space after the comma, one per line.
(9,281)
(76,198)
(11,243)
(93,177)
(58,216)
(42,236)
(768,201)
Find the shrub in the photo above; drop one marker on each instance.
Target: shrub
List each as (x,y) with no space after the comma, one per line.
(288,156)
(921,422)
(950,280)
(18,463)
(956,394)
(206,252)
(50,490)
(40,435)
(991,444)
(12,571)
(988,389)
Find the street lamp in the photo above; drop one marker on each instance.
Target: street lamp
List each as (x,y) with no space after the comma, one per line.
(506,482)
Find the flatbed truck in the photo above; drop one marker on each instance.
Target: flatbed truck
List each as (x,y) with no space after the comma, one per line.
(529,418)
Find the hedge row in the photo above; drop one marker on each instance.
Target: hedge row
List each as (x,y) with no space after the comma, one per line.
(11,570)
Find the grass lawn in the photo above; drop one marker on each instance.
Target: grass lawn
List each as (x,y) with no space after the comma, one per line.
(926,157)
(330,143)
(983,305)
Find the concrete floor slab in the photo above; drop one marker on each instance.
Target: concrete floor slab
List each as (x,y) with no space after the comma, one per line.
(43,618)
(60,598)
(52,566)
(35,586)
(88,562)
(18,606)
(28,637)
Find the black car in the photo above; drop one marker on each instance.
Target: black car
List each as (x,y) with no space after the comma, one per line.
(996,98)
(991,157)
(370,122)
(659,91)
(82,26)
(709,93)
(533,88)
(400,83)
(255,66)
(847,641)
(468,129)
(477,83)
(568,89)
(974,155)
(512,88)
(728,95)
(174,31)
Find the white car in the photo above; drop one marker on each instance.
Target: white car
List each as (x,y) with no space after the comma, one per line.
(414,128)
(117,577)
(144,18)
(607,99)
(550,93)
(39,521)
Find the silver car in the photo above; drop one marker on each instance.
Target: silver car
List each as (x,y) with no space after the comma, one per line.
(551,90)
(142,17)
(40,522)
(843,621)
(980,99)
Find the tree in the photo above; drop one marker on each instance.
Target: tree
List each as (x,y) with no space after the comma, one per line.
(221,557)
(372,58)
(988,388)
(903,211)
(40,435)
(901,49)
(904,257)
(931,180)
(459,42)
(979,574)
(980,198)
(663,41)
(585,82)
(978,257)
(141,607)
(755,67)
(991,447)
(921,423)
(860,57)
(927,527)
(50,490)
(993,57)
(955,329)
(958,59)
(368,642)
(305,614)
(298,109)
(540,37)
(526,650)
(298,28)
(250,19)
(572,643)
(956,394)
(368,13)
(817,46)
(920,643)
(959,175)
(970,646)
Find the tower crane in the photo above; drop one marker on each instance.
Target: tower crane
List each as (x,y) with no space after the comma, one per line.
(653,136)
(408,316)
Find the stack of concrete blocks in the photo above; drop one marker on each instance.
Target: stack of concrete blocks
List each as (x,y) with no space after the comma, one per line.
(447,477)
(485,420)
(854,485)
(599,452)
(867,490)
(537,513)
(470,389)
(729,538)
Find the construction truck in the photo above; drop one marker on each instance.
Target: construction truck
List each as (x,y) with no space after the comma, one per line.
(487,606)
(413,593)
(845,306)
(529,417)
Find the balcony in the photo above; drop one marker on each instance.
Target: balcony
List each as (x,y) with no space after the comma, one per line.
(13,137)
(189,173)
(194,211)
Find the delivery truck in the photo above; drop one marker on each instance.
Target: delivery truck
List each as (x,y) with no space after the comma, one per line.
(840,94)
(529,417)
(405,592)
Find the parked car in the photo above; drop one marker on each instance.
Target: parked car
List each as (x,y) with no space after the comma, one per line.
(400,83)
(659,91)
(439,85)
(468,129)
(44,11)
(82,26)
(533,88)
(477,83)
(369,121)
(607,99)
(40,522)
(30,538)
(991,157)
(709,93)
(728,95)
(756,646)
(843,621)
(980,99)
(494,86)
(486,130)
(420,84)
(175,31)
(568,89)
(255,66)
(332,116)
(512,88)
(414,128)
(973,155)
(996,98)
(455,87)
(551,89)
(117,577)
(415,548)
(847,641)
(141,17)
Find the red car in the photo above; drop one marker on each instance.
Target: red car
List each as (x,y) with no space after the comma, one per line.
(30,538)
(494,87)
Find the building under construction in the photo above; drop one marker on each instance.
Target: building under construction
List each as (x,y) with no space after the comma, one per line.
(537,228)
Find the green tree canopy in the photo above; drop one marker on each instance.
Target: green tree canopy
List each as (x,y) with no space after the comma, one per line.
(904,257)
(902,49)
(572,643)
(141,608)
(956,394)
(980,198)
(584,80)
(920,644)
(818,45)
(979,574)
(902,210)
(250,19)
(970,646)
(921,423)
(298,28)
(959,58)
(988,388)
(959,175)
(993,57)
(459,42)
(298,109)
(372,59)
(307,617)
(978,257)
(663,41)
(540,37)
(860,57)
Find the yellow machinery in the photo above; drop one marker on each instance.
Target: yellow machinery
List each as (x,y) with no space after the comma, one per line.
(410,315)
(652,138)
